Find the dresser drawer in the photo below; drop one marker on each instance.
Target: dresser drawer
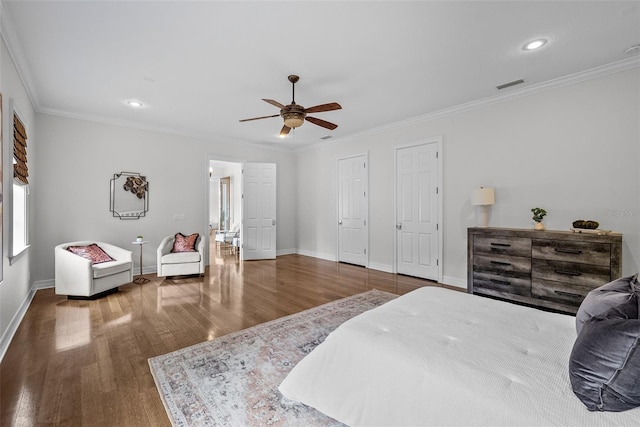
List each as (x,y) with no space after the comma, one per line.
(510,266)
(583,252)
(503,284)
(564,293)
(512,246)
(589,275)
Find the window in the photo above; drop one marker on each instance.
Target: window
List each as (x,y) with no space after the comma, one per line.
(19,218)
(20,196)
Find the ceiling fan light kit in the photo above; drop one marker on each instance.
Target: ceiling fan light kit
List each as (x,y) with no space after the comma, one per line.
(294,115)
(293,119)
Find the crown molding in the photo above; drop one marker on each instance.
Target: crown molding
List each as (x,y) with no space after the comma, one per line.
(157,129)
(594,73)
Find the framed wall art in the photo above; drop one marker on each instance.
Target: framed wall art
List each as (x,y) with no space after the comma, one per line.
(129,195)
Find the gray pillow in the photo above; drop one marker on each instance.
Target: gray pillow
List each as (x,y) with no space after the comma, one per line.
(606,296)
(604,367)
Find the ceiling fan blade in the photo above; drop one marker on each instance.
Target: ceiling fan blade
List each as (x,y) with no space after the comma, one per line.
(320,122)
(324,107)
(258,118)
(285,130)
(274,103)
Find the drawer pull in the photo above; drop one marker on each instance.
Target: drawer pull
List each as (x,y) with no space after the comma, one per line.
(568,273)
(500,263)
(568,294)
(502,245)
(500,282)
(569,251)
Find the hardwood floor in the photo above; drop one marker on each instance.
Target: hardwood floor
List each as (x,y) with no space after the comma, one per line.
(84,363)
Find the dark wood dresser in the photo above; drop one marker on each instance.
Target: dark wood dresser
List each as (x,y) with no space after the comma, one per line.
(548,269)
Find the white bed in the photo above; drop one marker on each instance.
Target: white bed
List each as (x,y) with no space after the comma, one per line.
(436,357)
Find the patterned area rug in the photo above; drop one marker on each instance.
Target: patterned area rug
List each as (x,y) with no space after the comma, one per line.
(233,380)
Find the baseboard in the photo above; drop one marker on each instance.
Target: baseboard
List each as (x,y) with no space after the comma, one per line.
(44,284)
(454,281)
(285,252)
(146,270)
(381,267)
(11,330)
(327,257)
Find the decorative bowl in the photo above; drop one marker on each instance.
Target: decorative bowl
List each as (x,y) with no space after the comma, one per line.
(586,224)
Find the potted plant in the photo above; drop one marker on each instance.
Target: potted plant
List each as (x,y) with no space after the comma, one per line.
(139,238)
(538,217)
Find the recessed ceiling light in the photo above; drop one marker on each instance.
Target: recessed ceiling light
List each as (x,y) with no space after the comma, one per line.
(134,103)
(535,44)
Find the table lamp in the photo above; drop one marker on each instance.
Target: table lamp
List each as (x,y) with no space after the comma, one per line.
(482,198)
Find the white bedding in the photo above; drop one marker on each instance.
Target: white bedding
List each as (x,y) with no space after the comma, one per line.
(436,357)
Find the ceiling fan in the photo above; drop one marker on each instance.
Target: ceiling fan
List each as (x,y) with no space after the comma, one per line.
(294,115)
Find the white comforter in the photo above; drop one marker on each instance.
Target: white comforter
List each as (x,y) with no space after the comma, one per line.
(436,357)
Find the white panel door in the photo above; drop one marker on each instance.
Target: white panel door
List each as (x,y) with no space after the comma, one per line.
(258,234)
(353,210)
(417,211)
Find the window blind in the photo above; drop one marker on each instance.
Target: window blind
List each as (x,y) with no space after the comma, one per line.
(20,169)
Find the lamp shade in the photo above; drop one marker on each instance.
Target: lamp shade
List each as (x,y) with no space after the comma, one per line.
(483,196)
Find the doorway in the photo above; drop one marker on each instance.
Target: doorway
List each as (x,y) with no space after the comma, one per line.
(242,203)
(224,205)
(418,210)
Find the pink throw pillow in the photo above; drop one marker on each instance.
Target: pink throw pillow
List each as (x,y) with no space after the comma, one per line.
(92,252)
(185,243)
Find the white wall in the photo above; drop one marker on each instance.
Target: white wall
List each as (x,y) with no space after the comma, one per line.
(82,156)
(15,289)
(573,150)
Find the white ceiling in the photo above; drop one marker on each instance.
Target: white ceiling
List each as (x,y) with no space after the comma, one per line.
(199,67)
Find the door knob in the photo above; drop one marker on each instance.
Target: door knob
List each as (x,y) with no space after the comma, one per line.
(399,226)
(340,222)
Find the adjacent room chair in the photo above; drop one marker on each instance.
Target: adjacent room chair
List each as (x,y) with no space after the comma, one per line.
(229,238)
(178,260)
(93,270)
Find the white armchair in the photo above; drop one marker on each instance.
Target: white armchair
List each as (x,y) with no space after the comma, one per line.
(180,263)
(77,277)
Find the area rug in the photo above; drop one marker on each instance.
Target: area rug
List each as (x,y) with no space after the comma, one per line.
(233,380)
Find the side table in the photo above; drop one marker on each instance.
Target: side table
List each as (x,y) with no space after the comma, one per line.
(140,280)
